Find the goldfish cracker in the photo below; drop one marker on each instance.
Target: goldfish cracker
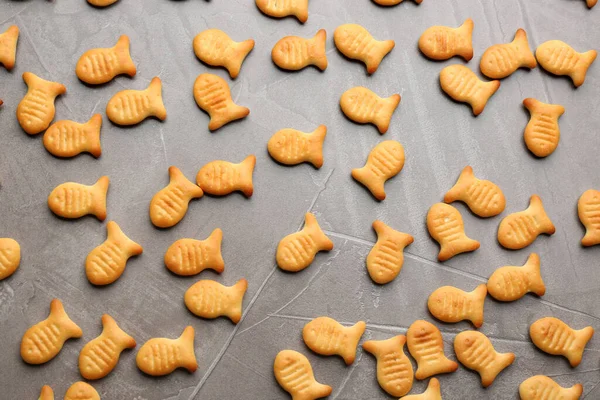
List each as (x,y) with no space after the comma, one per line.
(81,391)
(591,3)
(101,3)
(220,178)
(462,85)
(68,138)
(209,299)
(542,133)
(446,226)
(170,204)
(356,43)
(106,263)
(426,346)
(327,337)
(161,356)
(501,60)
(47,393)
(101,355)
(442,42)
(98,66)
(433,392)
(393,2)
(74,200)
(10,257)
(559,58)
(214,47)
(394,370)
(130,107)
(386,258)
(588,208)
(8,47)
(212,95)
(553,336)
(541,387)
(295,375)
(475,351)
(450,304)
(511,283)
(385,161)
(44,340)
(36,110)
(295,53)
(190,257)
(297,251)
(484,198)
(284,8)
(363,106)
(292,147)
(518,230)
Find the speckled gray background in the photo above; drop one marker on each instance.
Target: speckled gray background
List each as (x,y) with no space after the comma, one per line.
(440,137)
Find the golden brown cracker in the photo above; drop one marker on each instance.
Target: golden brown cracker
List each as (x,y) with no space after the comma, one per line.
(501,60)
(540,387)
(292,147)
(220,178)
(209,299)
(69,138)
(295,375)
(47,393)
(433,392)
(101,3)
(81,391)
(385,161)
(484,198)
(190,256)
(36,110)
(74,200)
(553,336)
(426,346)
(130,107)
(98,66)
(161,356)
(442,42)
(518,230)
(8,47)
(214,47)
(446,226)
(10,257)
(212,95)
(462,85)
(450,304)
(393,2)
(363,106)
(356,43)
(295,53)
(386,258)
(327,337)
(510,283)
(542,132)
(284,8)
(559,58)
(394,370)
(588,209)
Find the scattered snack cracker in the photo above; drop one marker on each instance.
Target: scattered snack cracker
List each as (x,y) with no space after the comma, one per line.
(450,304)
(356,43)
(295,375)
(426,346)
(188,257)
(553,336)
(363,106)
(220,178)
(510,283)
(327,337)
(170,204)
(36,110)
(284,8)
(462,85)
(542,132)
(540,387)
(8,47)
(393,2)
(292,147)
(130,107)
(559,58)
(501,60)
(433,392)
(161,356)
(446,226)
(106,263)
(98,66)
(69,138)
(484,198)
(394,370)
(101,355)
(298,250)
(74,200)
(295,53)
(101,3)
(518,230)
(475,351)
(10,257)
(81,391)
(442,42)
(47,393)
(386,258)
(215,48)
(209,299)
(212,95)
(44,340)
(385,161)
(588,208)
(591,3)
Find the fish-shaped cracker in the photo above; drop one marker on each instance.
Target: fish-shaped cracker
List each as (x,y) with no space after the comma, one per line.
(501,60)
(8,47)
(220,178)
(161,356)
(327,337)
(588,208)
(510,283)
(426,346)
(540,387)
(291,147)
(36,110)
(212,94)
(559,58)
(130,107)
(74,200)
(214,47)
(462,85)
(450,304)
(209,299)
(356,43)
(284,8)
(294,52)
(442,42)
(433,392)
(363,106)
(294,374)
(394,370)
(10,257)
(446,226)
(518,230)
(170,204)
(553,336)
(385,161)
(98,66)
(542,132)
(483,197)
(81,391)
(190,256)
(69,138)
(386,258)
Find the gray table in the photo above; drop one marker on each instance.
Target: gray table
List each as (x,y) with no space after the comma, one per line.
(440,137)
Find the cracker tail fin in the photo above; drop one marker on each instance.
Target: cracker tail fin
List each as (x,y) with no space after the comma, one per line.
(317,138)
(317,49)
(239,290)
(575,352)
(355,332)
(373,62)
(383,118)
(521,43)
(465,179)
(156,101)
(110,326)
(124,57)
(574,391)
(99,208)
(58,312)
(13,34)
(246,171)
(478,295)
(215,239)
(466,31)
(535,204)
(585,60)
(532,266)
(47,393)
(231,113)
(242,49)
(376,187)
(116,234)
(94,126)
(187,346)
(301,11)
(489,374)
(311,225)
(488,90)
(448,250)
(178,178)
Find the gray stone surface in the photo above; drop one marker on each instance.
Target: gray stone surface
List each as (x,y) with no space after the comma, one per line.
(440,137)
